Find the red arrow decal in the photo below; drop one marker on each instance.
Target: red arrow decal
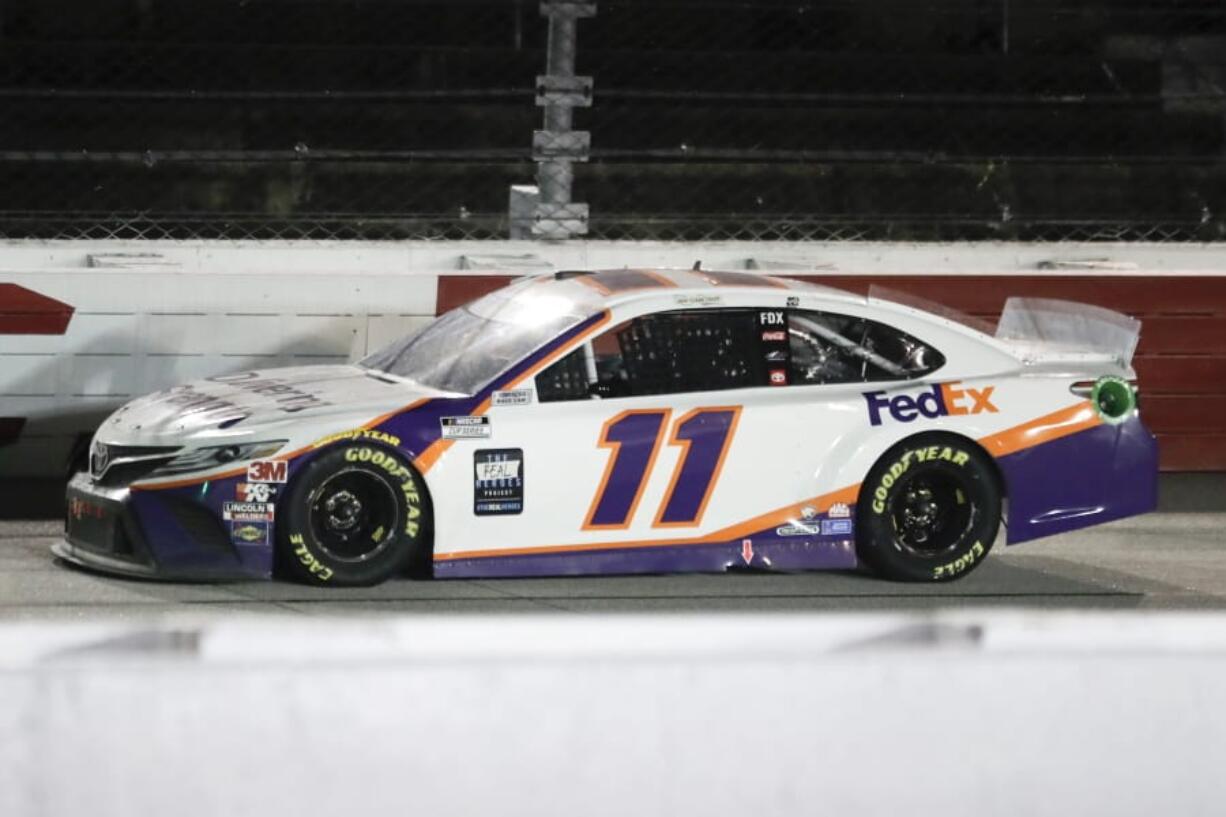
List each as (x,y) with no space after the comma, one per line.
(747,550)
(25,312)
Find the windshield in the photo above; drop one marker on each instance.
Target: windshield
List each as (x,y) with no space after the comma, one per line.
(471,345)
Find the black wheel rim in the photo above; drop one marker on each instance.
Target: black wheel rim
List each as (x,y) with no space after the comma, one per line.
(353,515)
(932,512)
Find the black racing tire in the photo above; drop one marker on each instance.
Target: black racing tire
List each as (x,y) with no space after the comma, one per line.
(929,509)
(355,515)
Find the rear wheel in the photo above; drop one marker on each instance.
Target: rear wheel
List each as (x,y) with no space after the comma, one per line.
(356,515)
(929,510)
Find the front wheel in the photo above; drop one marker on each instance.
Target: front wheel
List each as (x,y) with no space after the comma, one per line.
(929,510)
(356,515)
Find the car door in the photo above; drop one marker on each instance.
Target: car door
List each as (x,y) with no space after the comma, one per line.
(669,430)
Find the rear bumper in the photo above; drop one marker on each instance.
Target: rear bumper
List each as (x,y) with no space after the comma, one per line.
(170,534)
(1097,475)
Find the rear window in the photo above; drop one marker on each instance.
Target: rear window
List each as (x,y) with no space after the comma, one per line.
(829,348)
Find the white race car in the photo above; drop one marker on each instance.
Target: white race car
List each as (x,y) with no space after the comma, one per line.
(633,421)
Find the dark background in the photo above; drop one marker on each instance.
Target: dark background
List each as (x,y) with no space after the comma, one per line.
(760,119)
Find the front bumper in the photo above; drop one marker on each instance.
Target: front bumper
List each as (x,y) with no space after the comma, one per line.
(175,534)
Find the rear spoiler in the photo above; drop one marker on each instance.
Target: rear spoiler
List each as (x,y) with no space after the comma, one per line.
(1077,327)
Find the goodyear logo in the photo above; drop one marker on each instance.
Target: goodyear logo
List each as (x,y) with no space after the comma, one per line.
(942,400)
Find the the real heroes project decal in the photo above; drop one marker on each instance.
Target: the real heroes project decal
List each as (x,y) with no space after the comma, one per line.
(498,481)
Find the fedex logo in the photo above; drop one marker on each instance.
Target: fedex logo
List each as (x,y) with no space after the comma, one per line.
(941,400)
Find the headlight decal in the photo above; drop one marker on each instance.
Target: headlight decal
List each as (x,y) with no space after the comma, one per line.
(215,456)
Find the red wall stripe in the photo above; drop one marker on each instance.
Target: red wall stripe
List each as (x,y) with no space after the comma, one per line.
(25,312)
(457,290)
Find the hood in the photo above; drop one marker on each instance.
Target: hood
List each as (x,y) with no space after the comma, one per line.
(237,406)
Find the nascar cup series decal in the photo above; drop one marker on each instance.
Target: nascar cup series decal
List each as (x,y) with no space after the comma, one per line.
(941,400)
(465,428)
(498,481)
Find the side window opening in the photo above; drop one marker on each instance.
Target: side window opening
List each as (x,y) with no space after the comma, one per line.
(828,348)
(662,353)
(564,380)
(678,352)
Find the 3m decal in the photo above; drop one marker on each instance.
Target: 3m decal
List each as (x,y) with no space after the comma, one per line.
(511,397)
(940,400)
(247,511)
(465,428)
(249,533)
(254,492)
(268,471)
(704,434)
(498,481)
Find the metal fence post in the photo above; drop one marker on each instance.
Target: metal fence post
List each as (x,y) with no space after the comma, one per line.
(547,211)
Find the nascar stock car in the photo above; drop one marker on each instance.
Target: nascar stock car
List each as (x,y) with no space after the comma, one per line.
(633,421)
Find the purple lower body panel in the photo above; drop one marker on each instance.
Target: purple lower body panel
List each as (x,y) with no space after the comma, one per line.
(770,553)
(1097,475)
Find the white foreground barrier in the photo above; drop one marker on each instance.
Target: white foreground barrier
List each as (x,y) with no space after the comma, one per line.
(1000,714)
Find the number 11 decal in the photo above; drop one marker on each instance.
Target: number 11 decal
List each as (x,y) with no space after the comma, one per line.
(704,435)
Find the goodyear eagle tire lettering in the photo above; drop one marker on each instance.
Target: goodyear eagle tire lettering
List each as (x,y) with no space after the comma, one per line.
(929,509)
(897,468)
(355,514)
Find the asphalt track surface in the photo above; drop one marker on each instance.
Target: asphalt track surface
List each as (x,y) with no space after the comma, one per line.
(1173,559)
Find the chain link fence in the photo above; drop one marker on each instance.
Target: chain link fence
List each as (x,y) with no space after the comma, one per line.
(708,119)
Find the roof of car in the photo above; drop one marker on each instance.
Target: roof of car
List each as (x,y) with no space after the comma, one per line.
(606,286)
(618,282)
